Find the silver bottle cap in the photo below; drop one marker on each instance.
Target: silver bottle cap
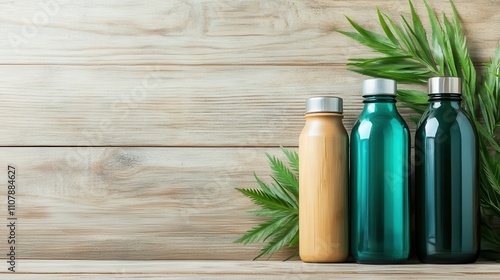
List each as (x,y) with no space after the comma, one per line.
(379,87)
(320,104)
(445,85)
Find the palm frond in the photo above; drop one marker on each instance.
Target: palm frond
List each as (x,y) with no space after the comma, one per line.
(437,40)
(489,93)
(414,99)
(491,167)
(267,213)
(284,192)
(387,30)
(284,176)
(370,39)
(265,200)
(293,160)
(263,231)
(279,202)
(282,238)
(468,71)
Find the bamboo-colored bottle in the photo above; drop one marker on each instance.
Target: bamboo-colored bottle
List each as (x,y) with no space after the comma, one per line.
(323,183)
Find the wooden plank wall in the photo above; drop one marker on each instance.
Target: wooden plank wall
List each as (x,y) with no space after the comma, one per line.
(131,122)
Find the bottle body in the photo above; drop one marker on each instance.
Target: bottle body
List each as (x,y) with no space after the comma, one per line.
(447,198)
(446,186)
(380,150)
(323,189)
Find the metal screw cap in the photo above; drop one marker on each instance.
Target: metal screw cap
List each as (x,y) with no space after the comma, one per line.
(379,87)
(319,104)
(445,85)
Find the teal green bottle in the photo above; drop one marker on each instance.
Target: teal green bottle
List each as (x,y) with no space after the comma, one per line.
(446,182)
(380,162)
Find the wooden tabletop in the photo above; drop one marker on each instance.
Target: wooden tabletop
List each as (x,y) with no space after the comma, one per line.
(84,269)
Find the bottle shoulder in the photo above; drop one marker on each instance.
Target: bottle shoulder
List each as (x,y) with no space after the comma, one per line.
(322,127)
(380,128)
(445,120)
(375,121)
(381,113)
(446,116)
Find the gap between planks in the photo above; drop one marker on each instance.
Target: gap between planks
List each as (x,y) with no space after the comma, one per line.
(157,146)
(305,64)
(202,267)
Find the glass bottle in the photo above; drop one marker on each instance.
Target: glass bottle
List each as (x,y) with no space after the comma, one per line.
(380,162)
(446,166)
(323,183)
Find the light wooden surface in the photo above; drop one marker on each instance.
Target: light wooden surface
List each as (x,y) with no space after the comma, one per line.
(50,269)
(133,203)
(132,122)
(165,105)
(209,31)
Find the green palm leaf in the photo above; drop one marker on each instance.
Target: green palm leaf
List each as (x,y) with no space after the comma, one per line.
(282,238)
(293,160)
(265,200)
(264,230)
(284,176)
(279,202)
(414,99)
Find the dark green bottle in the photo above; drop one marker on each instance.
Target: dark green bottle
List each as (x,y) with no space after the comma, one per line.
(380,162)
(446,182)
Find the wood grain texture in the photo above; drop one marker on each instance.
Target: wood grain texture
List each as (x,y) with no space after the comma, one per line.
(131,123)
(209,32)
(30,269)
(133,203)
(166,105)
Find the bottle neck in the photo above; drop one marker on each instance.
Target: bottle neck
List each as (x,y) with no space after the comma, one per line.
(380,103)
(324,118)
(448,100)
(323,115)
